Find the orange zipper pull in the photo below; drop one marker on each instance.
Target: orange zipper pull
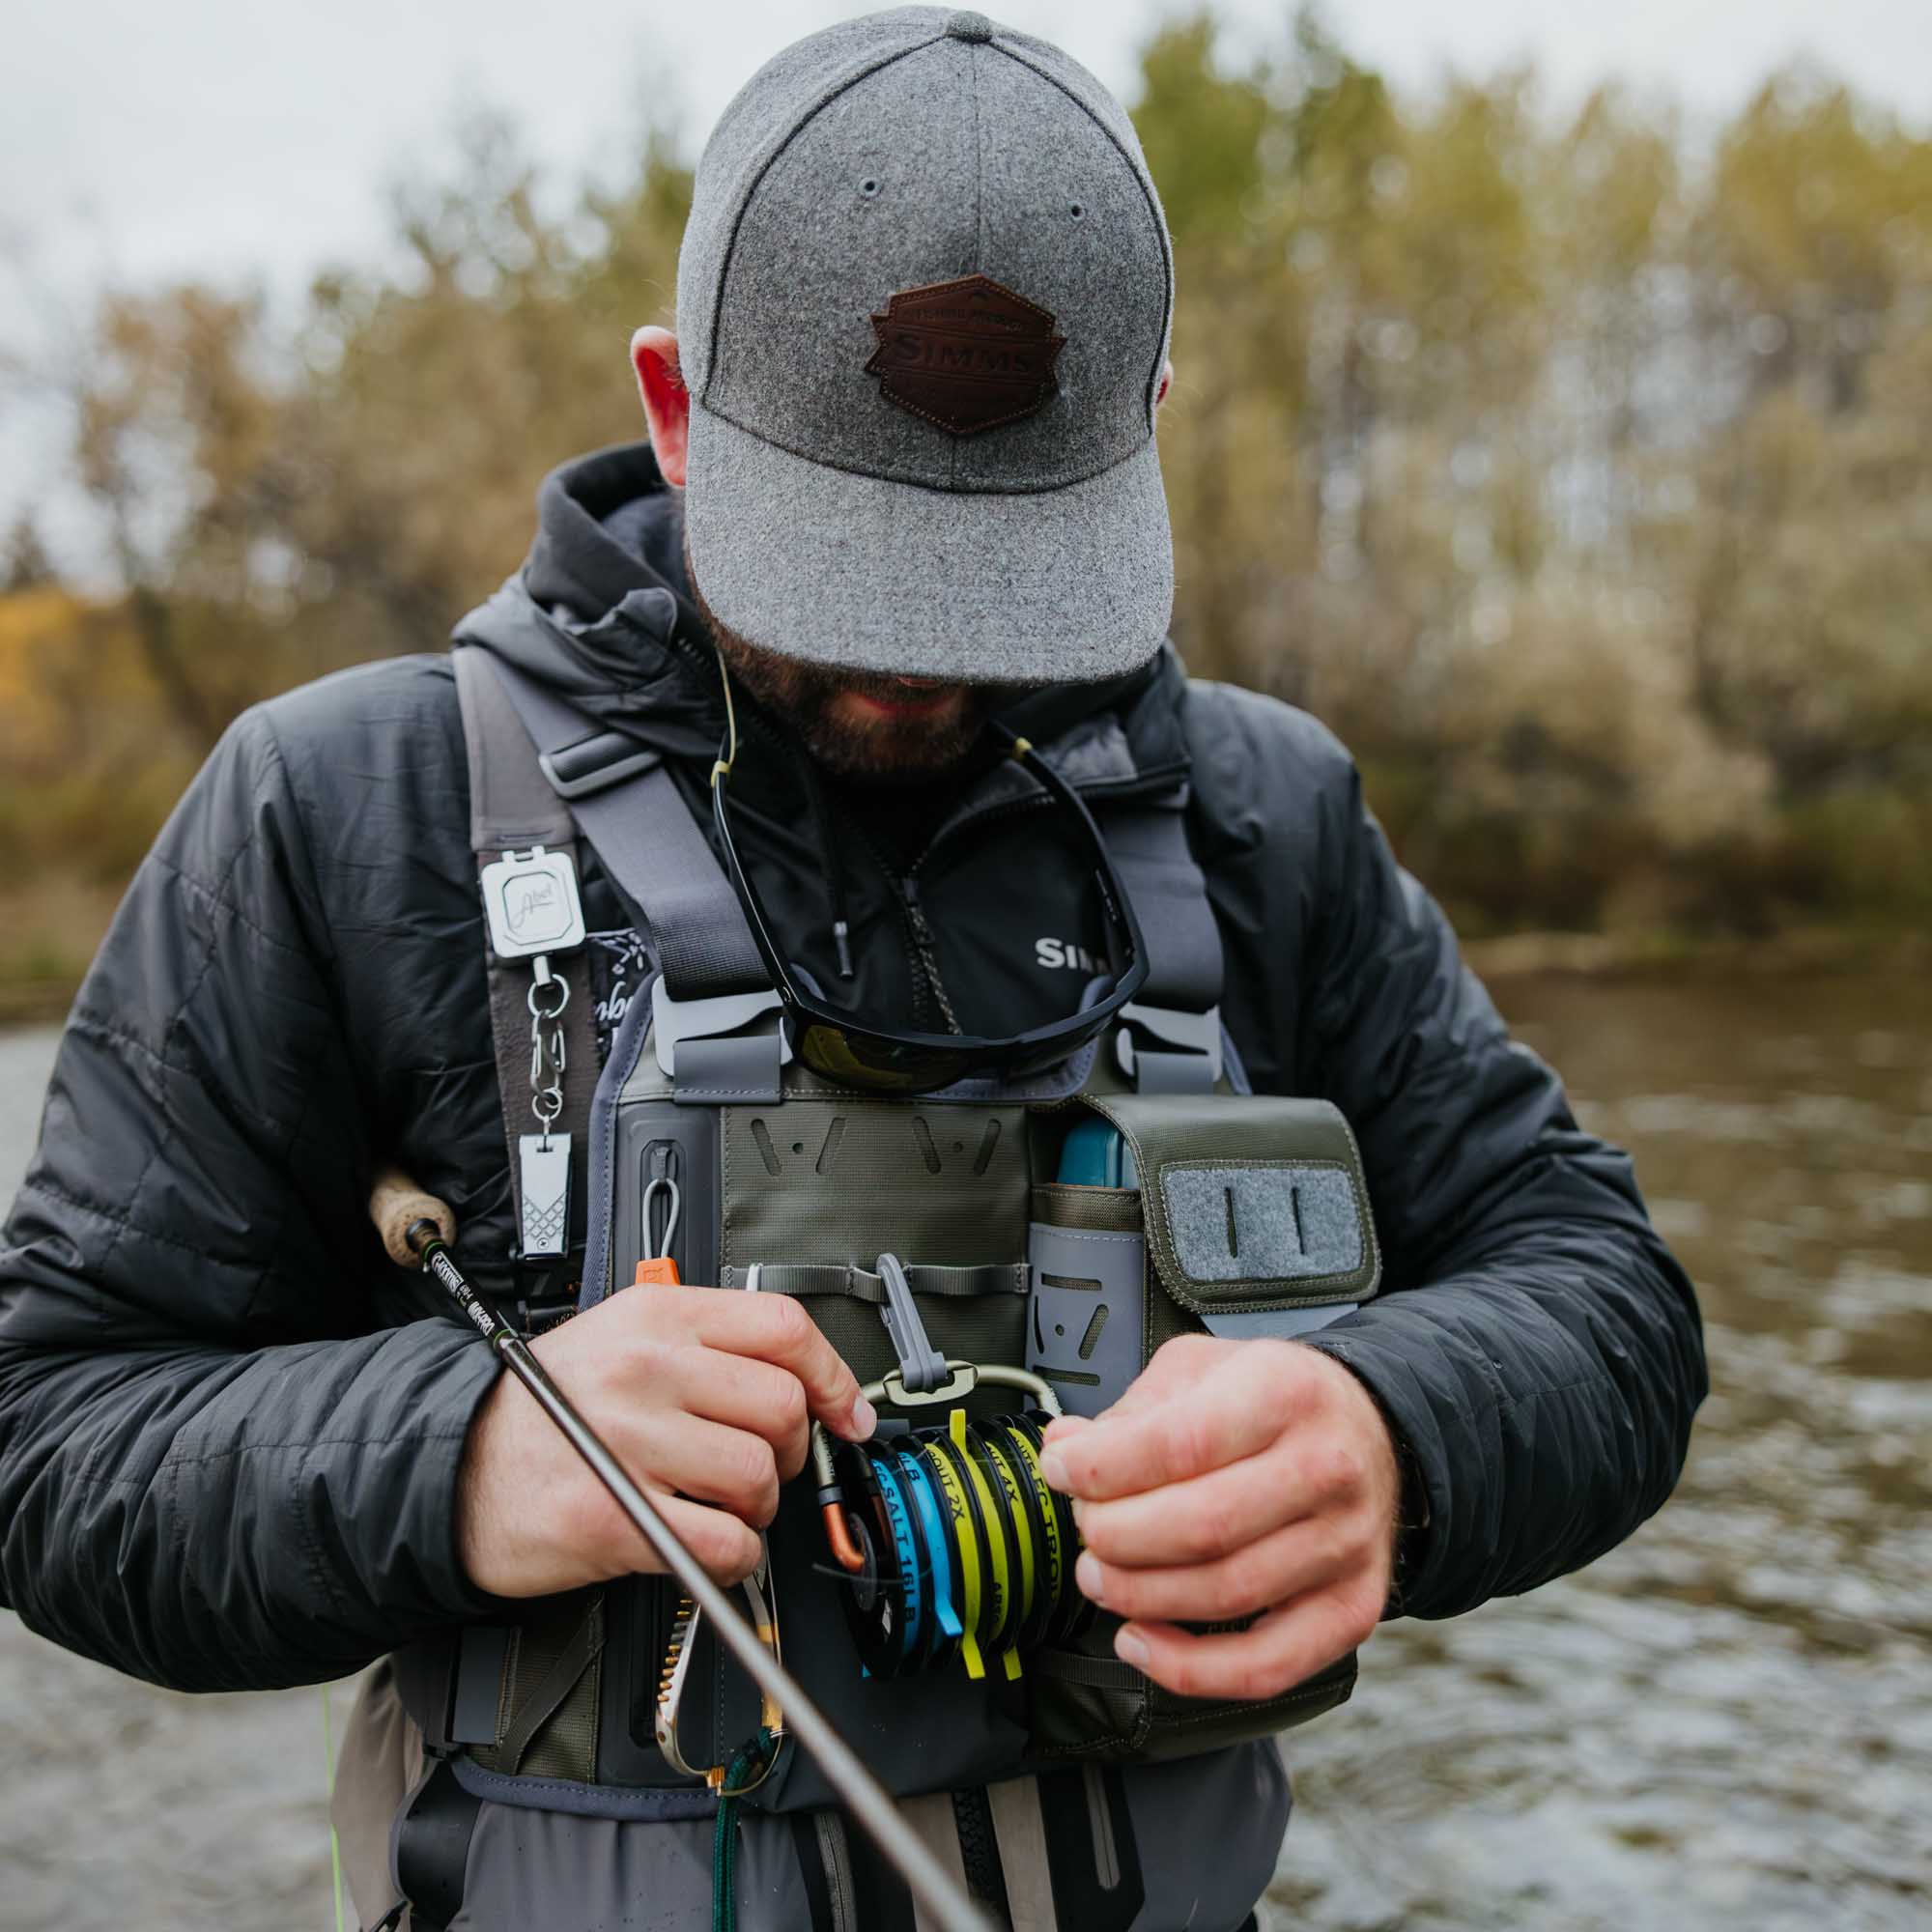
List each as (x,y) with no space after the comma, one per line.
(659,1270)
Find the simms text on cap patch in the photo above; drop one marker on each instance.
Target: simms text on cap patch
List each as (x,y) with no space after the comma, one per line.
(966,356)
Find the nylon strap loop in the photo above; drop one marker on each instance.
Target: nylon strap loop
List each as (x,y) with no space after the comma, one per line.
(857,1284)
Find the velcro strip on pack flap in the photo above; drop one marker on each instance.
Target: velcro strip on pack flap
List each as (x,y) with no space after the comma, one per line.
(1284,1221)
(1250,1202)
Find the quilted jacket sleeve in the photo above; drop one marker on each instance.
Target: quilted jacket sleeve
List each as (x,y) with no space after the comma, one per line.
(1537,1348)
(208,1476)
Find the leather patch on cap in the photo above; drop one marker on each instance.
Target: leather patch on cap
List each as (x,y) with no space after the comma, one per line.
(967,355)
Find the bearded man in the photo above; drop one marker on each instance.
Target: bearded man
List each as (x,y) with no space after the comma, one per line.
(888,811)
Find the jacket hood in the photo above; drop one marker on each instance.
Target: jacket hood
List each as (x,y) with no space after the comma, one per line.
(602,612)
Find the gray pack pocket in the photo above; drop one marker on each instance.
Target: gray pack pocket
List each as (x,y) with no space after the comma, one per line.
(1086,1310)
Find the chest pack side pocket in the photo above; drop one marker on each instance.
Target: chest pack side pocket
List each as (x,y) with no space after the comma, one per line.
(1247,1216)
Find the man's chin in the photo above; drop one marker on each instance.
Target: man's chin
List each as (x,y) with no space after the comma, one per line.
(846,739)
(859,723)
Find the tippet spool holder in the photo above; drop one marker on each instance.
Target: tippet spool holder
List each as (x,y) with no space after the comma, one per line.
(949,1539)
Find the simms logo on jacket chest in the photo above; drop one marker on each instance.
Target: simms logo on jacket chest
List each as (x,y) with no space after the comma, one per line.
(1064,953)
(966,356)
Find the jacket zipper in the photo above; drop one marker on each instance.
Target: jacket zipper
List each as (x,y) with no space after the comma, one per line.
(929,999)
(923,952)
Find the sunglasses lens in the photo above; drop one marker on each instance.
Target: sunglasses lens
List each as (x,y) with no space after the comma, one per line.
(860,1058)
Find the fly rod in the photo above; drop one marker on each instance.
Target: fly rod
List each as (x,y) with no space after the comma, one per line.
(417,1229)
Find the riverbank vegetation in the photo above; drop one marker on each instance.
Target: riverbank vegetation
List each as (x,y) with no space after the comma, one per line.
(1575,466)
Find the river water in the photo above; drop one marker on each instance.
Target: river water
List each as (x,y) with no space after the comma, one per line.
(1726,1724)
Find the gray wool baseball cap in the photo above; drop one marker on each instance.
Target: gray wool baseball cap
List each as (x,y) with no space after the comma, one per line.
(924,302)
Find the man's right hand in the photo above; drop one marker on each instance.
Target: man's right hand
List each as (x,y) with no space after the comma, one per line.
(705,1395)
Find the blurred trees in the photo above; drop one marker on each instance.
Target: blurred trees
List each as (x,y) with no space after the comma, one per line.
(1577,468)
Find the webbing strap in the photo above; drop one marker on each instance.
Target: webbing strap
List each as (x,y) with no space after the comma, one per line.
(433,1848)
(541,1703)
(863,1285)
(979,1853)
(1169,1040)
(511,808)
(1148,844)
(630,809)
(809,1848)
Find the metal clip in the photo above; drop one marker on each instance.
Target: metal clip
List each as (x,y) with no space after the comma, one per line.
(763,1610)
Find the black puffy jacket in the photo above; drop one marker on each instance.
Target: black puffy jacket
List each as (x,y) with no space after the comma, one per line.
(229,1428)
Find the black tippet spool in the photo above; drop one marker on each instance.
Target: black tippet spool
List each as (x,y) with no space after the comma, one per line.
(886,1603)
(1009,1522)
(1053,1563)
(1073,1613)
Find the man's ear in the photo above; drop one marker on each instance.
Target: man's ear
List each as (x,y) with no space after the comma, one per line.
(667,401)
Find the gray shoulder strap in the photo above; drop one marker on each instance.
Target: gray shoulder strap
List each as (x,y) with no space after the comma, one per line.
(511,808)
(628,806)
(1170,1038)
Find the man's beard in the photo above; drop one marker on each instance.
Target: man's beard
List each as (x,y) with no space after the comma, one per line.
(852,739)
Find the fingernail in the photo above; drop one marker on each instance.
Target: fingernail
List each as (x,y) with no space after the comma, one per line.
(1087,1574)
(1131,1649)
(865,1419)
(1053,1467)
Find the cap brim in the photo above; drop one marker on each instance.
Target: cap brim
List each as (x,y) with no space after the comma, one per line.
(1046,587)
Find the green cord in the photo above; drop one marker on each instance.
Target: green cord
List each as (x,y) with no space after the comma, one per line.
(328,1773)
(723,1856)
(724,1840)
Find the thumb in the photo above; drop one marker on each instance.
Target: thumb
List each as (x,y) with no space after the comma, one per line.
(1063,1428)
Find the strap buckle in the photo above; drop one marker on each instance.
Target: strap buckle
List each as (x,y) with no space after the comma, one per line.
(729,1059)
(595,763)
(1168,1049)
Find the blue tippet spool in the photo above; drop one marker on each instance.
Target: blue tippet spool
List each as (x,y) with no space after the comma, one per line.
(932,1527)
(898,1513)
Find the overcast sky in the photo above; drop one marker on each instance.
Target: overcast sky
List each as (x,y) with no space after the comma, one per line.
(253,139)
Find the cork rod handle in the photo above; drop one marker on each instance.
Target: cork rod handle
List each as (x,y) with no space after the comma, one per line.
(396,1205)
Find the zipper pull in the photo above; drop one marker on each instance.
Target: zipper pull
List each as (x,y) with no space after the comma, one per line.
(657,1265)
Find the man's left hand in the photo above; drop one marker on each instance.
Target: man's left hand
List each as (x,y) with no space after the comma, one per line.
(1234,1479)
